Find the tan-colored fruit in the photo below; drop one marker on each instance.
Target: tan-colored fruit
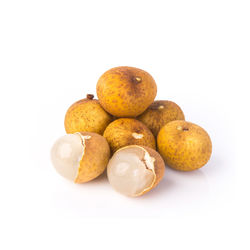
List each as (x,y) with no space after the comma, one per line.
(184,146)
(126,91)
(86,115)
(127,131)
(160,113)
(134,170)
(80,157)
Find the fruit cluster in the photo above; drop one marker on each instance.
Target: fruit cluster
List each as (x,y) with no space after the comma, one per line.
(122,130)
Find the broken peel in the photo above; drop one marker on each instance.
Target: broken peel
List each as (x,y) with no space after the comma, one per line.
(135,170)
(80,157)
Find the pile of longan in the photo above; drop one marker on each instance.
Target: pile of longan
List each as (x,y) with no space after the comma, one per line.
(122,130)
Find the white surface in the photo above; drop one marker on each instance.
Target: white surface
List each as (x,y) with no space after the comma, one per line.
(52,53)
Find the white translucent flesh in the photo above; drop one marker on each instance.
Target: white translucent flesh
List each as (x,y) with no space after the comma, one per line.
(128,172)
(66,155)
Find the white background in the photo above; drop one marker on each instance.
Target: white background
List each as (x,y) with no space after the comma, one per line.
(52,54)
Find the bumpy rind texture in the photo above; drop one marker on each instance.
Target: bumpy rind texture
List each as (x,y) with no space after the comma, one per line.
(184,146)
(159,167)
(86,115)
(159,113)
(95,158)
(126,91)
(120,133)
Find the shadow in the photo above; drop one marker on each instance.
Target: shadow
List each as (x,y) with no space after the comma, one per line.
(217,164)
(164,186)
(100,180)
(187,174)
(175,181)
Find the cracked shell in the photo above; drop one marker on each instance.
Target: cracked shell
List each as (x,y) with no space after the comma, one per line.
(135,170)
(126,91)
(159,113)
(86,115)
(127,131)
(184,145)
(80,157)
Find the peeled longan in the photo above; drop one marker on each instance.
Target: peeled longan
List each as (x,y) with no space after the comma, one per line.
(80,157)
(134,170)
(159,113)
(86,115)
(184,145)
(127,131)
(126,91)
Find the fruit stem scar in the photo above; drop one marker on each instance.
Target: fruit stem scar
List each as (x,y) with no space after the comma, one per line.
(137,79)
(181,128)
(90,96)
(137,136)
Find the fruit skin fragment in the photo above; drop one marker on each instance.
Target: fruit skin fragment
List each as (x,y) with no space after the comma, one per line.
(95,159)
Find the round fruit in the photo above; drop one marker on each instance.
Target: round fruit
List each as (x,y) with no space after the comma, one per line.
(127,131)
(126,91)
(86,115)
(160,113)
(135,170)
(80,157)
(184,145)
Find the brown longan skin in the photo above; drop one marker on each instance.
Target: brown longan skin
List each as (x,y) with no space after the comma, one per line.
(119,133)
(86,115)
(159,166)
(184,145)
(95,159)
(126,91)
(160,113)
